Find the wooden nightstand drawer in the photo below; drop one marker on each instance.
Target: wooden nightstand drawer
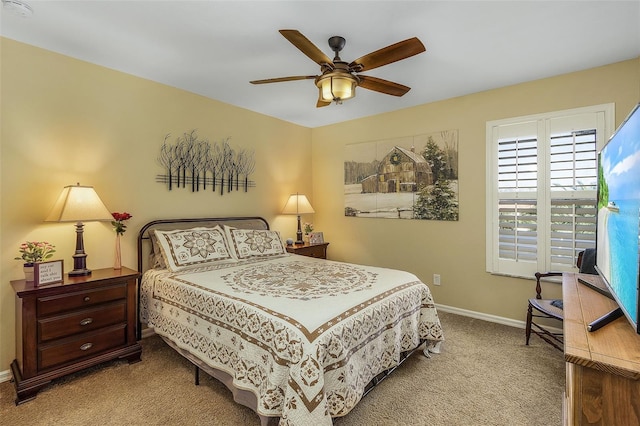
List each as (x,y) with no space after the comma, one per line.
(82,346)
(81,321)
(315,251)
(66,302)
(310,250)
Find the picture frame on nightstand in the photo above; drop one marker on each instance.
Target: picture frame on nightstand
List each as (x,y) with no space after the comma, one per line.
(48,272)
(316,238)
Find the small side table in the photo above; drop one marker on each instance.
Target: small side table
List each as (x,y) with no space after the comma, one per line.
(69,326)
(318,251)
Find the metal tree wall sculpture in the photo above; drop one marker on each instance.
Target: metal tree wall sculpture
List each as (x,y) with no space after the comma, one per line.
(199,164)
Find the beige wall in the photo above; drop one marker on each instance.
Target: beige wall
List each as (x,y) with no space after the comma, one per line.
(66,121)
(455,250)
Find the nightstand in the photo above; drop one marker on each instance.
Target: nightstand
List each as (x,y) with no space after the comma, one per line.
(66,327)
(311,250)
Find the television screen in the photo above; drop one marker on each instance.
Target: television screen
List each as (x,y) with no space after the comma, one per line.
(618,228)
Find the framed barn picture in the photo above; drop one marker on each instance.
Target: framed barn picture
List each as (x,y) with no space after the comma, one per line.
(410,177)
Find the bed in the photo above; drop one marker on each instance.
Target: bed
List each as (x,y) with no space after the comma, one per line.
(299,340)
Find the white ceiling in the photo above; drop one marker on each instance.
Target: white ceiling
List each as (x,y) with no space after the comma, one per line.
(214,48)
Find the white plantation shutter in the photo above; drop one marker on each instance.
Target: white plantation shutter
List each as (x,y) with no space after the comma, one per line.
(573,174)
(573,161)
(518,230)
(573,229)
(518,164)
(541,189)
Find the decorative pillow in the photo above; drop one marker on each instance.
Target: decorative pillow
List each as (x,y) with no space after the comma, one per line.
(155,257)
(185,248)
(247,243)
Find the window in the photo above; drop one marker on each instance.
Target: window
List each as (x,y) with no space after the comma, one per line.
(542,174)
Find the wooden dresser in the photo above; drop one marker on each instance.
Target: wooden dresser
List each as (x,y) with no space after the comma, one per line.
(602,367)
(66,327)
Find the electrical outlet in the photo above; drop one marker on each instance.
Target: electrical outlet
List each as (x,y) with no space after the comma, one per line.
(436,279)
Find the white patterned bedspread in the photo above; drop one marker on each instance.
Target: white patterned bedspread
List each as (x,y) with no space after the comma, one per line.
(304,335)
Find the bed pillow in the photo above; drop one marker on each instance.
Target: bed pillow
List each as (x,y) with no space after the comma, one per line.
(155,257)
(186,248)
(248,243)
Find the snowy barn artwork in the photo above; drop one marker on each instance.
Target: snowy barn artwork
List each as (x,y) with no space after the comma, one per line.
(414,177)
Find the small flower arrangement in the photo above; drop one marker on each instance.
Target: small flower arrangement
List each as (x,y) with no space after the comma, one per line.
(308,228)
(118,222)
(35,251)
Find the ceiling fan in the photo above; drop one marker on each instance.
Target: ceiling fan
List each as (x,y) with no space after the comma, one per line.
(338,79)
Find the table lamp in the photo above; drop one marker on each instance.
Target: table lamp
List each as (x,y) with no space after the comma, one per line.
(79,204)
(298,204)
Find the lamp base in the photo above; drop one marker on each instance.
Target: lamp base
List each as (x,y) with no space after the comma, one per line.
(79,272)
(80,257)
(299,233)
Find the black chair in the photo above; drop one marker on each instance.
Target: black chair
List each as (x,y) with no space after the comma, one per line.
(551,309)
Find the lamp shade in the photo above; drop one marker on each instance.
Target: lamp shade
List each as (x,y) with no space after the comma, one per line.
(336,87)
(79,204)
(297,204)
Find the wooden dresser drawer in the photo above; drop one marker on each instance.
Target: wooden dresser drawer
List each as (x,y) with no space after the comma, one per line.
(84,345)
(81,321)
(66,302)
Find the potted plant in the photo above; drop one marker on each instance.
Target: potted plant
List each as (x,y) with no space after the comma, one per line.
(308,228)
(32,252)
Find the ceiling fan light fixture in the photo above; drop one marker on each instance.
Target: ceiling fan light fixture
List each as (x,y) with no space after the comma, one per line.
(338,79)
(336,87)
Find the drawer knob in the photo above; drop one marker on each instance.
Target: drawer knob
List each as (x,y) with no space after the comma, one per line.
(86,298)
(86,346)
(86,321)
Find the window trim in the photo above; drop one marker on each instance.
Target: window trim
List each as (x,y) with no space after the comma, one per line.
(605,117)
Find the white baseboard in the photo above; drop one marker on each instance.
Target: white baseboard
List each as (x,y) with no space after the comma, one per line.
(488,317)
(147,332)
(5,376)
(481,316)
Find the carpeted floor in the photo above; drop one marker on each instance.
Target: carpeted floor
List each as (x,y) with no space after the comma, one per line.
(484,376)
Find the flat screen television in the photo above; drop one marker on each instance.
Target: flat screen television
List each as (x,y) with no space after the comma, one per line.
(618,229)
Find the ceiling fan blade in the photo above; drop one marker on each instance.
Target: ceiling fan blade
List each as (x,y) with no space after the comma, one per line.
(301,42)
(382,86)
(280,79)
(386,55)
(322,103)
